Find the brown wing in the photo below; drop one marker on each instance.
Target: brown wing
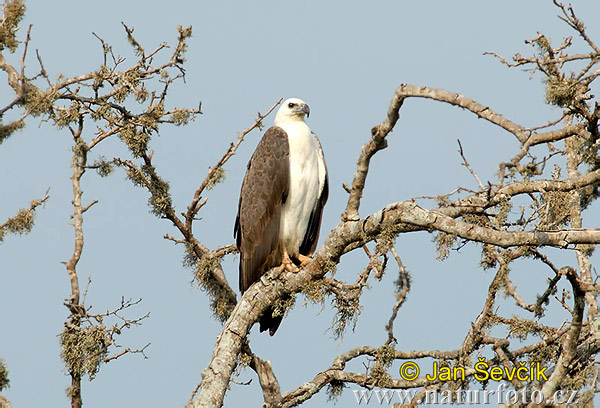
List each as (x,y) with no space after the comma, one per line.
(264,190)
(309,243)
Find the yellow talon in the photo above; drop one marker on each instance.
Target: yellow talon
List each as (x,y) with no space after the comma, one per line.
(304,260)
(287,263)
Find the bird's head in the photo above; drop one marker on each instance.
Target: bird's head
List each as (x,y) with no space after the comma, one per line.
(291,110)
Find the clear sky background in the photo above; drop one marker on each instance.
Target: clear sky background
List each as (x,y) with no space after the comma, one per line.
(345,59)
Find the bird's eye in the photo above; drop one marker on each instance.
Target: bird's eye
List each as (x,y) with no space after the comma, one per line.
(291,105)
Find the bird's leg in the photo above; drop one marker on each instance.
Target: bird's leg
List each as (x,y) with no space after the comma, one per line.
(304,260)
(287,263)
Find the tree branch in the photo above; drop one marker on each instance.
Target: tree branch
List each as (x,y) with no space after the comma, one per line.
(377,142)
(193,208)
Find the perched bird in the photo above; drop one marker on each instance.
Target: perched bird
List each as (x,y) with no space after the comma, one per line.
(281,201)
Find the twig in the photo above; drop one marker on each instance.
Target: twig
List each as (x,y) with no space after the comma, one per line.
(87,207)
(563,303)
(241,382)
(175,240)
(24,56)
(127,351)
(512,291)
(468,166)
(403,284)
(194,206)
(570,18)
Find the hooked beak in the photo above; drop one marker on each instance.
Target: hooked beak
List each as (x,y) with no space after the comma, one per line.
(306,110)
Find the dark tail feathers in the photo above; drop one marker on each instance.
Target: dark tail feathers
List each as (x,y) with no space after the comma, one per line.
(269,322)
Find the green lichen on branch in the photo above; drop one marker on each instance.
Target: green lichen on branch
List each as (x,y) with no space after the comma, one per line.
(12,14)
(315,291)
(555,210)
(103,167)
(348,309)
(39,102)
(544,45)
(184,35)
(84,349)
(217,177)
(10,128)
(385,355)
(283,305)
(386,238)
(244,359)
(204,268)
(503,210)
(139,50)
(67,116)
(221,303)
(136,139)
(160,201)
(546,352)
(520,328)
(402,283)
(80,150)
(379,376)
(190,259)
(444,242)
(22,222)
(563,91)
(181,117)
(133,173)
(346,301)
(488,260)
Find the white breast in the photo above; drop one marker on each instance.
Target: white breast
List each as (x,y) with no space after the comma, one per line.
(305,185)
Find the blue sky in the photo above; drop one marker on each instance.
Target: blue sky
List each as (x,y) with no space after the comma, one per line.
(345,59)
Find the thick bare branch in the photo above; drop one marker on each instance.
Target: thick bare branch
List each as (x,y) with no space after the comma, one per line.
(377,142)
(268,381)
(524,135)
(78,162)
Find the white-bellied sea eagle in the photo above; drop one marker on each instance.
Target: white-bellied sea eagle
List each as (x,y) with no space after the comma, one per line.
(281,201)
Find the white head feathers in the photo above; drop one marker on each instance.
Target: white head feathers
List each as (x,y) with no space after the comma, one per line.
(292,109)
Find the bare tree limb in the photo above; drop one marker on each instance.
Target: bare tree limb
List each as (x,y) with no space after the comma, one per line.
(468,166)
(377,142)
(78,162)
